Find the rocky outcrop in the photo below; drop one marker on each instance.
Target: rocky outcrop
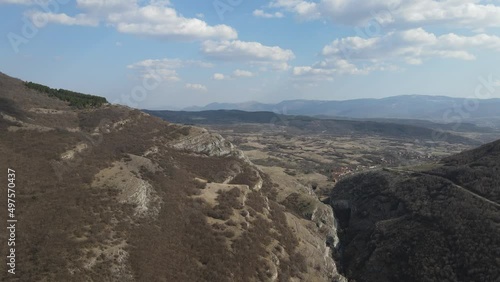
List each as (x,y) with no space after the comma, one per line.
(316,230)
(325,220)
(201,141)
(125,176)
(320,264)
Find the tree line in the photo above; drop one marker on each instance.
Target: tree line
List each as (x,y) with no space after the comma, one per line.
(75,99)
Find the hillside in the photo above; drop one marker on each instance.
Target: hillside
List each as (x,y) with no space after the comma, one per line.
(109,193)
(75,99)
(435,222)
(216,117)
(308,125)
(462,127)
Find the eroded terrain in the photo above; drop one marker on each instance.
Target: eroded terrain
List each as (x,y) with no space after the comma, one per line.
(303,162)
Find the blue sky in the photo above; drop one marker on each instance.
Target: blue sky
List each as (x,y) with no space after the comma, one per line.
(173,54)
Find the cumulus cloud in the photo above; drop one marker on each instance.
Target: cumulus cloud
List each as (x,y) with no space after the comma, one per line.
(313,73)
(275,66)
(328,68)
(195,86)
(168,63)
(155,18)
(18,2)
(236,74)
(262,14)
(412,45)
(243,73)
(218,76)
(165,69)
(164,22)
(105,7)
(461,13)
(253,53)
(242,50)
(356,55)
(40,19)
(304,9)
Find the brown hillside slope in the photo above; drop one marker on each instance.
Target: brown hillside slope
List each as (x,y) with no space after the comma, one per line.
(113,194)
(438,222)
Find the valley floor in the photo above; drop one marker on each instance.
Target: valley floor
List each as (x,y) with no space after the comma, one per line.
(318,161)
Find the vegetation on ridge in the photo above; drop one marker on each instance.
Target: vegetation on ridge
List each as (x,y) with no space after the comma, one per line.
(75,99)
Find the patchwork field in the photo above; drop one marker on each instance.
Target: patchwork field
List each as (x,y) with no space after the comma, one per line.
(317,161)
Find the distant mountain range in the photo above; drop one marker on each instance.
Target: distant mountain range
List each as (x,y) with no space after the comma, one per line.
(435,108)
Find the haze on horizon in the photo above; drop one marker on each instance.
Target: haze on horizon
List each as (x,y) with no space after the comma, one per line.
(175,54)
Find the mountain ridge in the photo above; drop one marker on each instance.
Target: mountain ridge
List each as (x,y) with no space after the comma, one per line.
(112,193)
(306,124)
(442,109)
(433,222)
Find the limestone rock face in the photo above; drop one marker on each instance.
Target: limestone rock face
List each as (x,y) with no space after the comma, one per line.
(316,230)
(325,220)
(202,141)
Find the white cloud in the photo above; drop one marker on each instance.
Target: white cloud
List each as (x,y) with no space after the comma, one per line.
(410,45)
(171,63)
(304,9)
(459,13)
(18,2)
(197,87)
(155,18)
(164,22)
(237,50)
(356,55)
(160,74)
(328,68)
(104,7)
(312,73)
(218,76)
(40,19)
(165,69)
(464,13)
(262,14)
(275,66)
(242,73)
(236,74)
